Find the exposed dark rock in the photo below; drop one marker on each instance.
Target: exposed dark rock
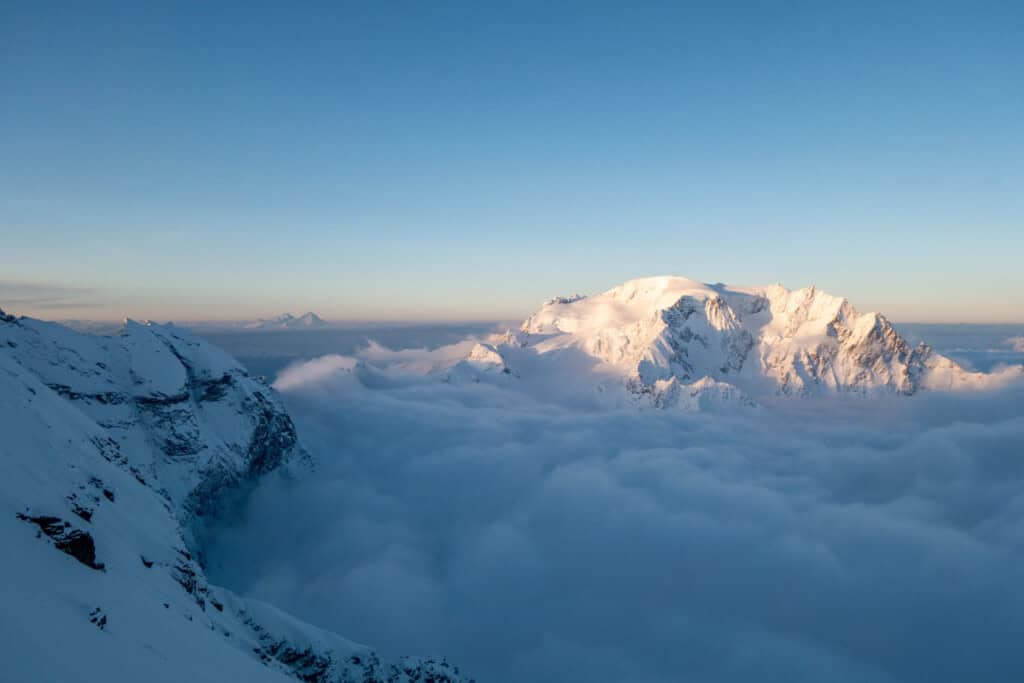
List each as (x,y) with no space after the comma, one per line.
(98,618)
(305,664)
(176,424)
(78,544)
(104,397)
(272,438)
(110,449)
(190,578)
(426,671)
(80,510)
(213,390)
(161,399)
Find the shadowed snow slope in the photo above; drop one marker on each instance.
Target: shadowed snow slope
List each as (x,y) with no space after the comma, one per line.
(114,453)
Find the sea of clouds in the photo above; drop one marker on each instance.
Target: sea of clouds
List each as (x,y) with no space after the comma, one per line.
(532,538)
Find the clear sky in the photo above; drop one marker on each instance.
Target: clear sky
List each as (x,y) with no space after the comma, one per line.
(436,160)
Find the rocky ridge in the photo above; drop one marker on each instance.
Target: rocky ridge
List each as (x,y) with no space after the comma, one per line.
(115,450)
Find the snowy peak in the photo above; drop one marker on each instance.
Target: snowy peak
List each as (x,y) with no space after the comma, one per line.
(759,339)
(308,319)
(483,361)
(287,321)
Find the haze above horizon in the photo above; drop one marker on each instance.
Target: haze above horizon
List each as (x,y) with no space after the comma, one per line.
(415,162)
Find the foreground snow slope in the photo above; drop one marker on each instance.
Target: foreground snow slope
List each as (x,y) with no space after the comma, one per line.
(112,450)
(678,341)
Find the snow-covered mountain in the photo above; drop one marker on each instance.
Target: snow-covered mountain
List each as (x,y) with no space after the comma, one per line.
(675,341)
(482,360)
(287,321)
(113,450)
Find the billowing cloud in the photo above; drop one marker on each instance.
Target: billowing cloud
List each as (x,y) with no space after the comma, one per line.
(531,539)
(313,372)
(1016,343)
(415,360)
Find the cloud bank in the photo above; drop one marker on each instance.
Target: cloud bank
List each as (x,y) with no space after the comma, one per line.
(532,539)
(17,295)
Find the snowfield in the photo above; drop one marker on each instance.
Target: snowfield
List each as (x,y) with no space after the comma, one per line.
(115,454)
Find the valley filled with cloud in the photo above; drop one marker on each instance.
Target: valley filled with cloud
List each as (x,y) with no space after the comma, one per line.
(533,534)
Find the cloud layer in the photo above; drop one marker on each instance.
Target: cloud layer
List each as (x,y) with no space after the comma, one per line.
(25,295)
(534,540)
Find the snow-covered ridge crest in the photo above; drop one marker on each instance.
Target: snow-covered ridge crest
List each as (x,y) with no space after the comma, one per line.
(177,409)
(763,339)
(287,321)
(113,451)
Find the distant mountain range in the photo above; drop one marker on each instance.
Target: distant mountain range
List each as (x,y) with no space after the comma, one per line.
(287,321)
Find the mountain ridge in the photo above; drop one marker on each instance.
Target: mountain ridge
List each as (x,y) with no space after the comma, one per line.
(287,321)
(667,336)
(115,452)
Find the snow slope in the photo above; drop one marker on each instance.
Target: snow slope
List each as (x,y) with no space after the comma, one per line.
(113,450)
(676,341)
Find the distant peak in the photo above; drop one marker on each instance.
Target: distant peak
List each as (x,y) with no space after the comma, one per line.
(289,321)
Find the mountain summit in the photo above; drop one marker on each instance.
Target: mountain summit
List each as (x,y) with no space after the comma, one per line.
(672,339)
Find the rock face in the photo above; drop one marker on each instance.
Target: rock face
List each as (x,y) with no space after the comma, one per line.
(664,334)
(173,409)
(112,451)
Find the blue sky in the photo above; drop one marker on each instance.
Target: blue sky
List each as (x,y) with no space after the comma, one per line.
(466,161)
